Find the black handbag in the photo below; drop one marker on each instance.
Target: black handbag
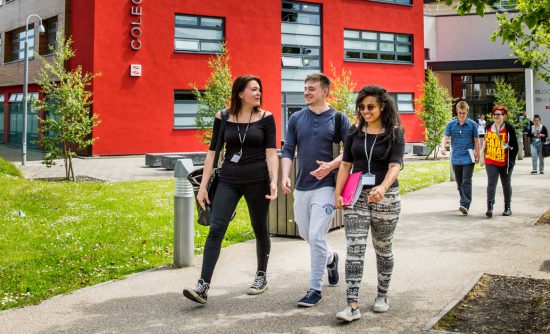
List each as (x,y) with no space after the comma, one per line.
(546,150)
(195,178)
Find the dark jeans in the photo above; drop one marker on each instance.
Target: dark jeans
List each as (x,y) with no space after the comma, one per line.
(225,201)
(493,173)
(463,177)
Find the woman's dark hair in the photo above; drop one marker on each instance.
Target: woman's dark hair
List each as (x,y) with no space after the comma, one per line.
(239,86)
(388,114)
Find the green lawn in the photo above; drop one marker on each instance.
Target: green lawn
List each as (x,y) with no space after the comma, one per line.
(61,236)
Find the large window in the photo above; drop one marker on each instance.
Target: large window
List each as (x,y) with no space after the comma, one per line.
(48,38)
(372,46)
(15,45)
(185,110)
(478,89)
(300,43)
(404,102)
(198,34)
(16,120)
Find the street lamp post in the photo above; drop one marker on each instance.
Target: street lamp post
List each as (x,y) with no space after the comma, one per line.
(26,84)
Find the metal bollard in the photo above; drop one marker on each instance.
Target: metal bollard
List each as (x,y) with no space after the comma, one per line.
(184,226)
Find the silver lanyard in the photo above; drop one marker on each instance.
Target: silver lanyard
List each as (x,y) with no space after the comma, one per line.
(369,156)
(243,138)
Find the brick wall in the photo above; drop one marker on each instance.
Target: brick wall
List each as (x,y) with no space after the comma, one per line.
(13,16)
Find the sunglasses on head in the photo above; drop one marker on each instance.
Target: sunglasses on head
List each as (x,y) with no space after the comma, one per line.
(369,107)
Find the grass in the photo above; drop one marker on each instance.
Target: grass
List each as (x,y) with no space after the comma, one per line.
(7,168)
(421,175)
(61,236)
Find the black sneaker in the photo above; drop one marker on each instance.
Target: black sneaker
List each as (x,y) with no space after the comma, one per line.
(332,270)
(259,285)
(312,298)
(199,292)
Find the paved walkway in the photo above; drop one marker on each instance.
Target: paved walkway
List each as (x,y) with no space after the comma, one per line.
(437,253)
(125,168)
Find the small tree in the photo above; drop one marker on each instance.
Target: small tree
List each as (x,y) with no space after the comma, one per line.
(67,126)
(505,95)
(342,95)
(436,111)
(216,96)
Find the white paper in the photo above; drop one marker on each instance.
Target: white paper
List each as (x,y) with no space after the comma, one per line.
(472,156)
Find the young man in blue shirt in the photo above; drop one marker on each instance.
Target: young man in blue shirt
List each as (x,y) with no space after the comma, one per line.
(311,132)
(464,152)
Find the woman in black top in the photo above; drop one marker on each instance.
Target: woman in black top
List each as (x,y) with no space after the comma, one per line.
(374,147)
(249,169)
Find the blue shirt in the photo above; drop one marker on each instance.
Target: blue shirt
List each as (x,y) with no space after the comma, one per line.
(312,135)
(462,139)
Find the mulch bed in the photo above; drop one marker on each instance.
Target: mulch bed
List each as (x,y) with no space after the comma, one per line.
(78,178)
(502,304)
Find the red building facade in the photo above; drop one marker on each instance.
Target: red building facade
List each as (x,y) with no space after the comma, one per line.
(138,112)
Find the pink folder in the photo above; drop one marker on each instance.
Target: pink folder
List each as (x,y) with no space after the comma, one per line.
(352,189)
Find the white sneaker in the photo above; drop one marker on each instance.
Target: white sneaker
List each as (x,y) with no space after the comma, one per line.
(381,304)
(349,314)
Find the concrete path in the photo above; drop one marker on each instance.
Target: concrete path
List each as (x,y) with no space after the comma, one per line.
(438,251)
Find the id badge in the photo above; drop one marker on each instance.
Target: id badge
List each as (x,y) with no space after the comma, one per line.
(368,179)
(236,157)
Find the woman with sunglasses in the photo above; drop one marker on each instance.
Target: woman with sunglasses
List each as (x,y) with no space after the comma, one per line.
(374,147)
(501,149)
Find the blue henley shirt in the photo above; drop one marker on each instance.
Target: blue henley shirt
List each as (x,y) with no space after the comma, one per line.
(312,135)
(462,139)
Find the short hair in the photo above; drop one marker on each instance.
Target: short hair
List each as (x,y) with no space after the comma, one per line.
(536,116)
(319,77)
(462,105)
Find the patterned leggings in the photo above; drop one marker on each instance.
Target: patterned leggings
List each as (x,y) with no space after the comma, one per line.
(383,217)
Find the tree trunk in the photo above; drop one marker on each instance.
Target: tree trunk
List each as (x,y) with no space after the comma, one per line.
(71,171)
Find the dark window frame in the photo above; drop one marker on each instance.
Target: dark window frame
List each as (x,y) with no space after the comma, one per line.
(188,93)
(366,55)
(200,27)
(394,96)
(13,38)
(395,2)
(49,37)
(297,8)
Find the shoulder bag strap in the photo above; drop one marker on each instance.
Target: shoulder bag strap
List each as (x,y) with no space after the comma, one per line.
(219,142)
(337,127)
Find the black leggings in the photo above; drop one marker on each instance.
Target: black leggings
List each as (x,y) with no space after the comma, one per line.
(493,174)
(225,201)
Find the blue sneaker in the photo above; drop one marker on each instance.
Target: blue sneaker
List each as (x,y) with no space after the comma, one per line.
(332,270)
(312,298)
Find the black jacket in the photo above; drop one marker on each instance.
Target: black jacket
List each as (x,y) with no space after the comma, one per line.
(543,131)
(512,142)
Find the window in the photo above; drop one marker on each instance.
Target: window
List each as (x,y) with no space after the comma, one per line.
(15,136)
(198,34)
(300,43)
(404,102)
(375,46)
(299,12)
(48,39)
(399,2)
(15,45)
(185,110)
(427,54)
